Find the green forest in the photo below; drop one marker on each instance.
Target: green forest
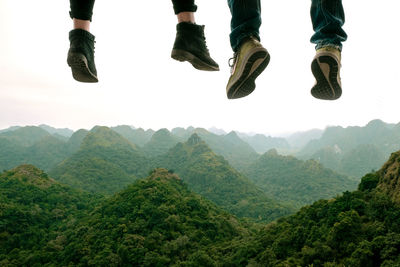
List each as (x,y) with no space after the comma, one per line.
(177,198)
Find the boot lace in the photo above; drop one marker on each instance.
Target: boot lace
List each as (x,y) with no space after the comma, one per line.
(232,61)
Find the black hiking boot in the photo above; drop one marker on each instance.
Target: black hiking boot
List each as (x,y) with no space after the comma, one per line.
(190,45)
(81,56)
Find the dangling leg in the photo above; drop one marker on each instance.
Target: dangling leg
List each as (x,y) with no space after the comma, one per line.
(81,52)
(250,57)
(327,18)
(190,43)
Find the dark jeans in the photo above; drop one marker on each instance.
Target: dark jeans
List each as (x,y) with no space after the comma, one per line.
(246,20)
(327,17)
(83,9)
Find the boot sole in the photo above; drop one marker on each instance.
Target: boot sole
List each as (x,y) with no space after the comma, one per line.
(326,89)
(182,55)
(80,68)
(245,85)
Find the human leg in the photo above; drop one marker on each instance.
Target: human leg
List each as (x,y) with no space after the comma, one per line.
(81,52)
(250,57)
(190,43)
(327,18)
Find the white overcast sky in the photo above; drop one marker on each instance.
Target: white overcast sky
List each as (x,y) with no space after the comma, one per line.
(141,85)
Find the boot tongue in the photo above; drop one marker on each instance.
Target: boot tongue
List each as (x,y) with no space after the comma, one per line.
(79,33)
(188,26)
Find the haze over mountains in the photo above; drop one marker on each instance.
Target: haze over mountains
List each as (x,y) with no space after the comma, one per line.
(352,151)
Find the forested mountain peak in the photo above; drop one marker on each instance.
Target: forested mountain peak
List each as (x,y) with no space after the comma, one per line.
(105,137)
(298,182)
(194,140)
(160,142)
(232,135)
(137,136)
(51,130)
(77,137)
(25,136)
(211,176)
(390,177)
(29,174)
(377,124)
(156,221)
(201,131)
(271,153)
(161,174)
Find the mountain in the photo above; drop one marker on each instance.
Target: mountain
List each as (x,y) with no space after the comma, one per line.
(375,132)
(104,163)
(300,139)
(156,221)
(212,177)
(12,128)
(34,209)
(136,136)
(25,136)
(54,131)
(160,142)
(389,177)
(354,150)
(294,181)
(262,143)
(359,228)
(239,153)
(217,131)
(75,141)
(31,145)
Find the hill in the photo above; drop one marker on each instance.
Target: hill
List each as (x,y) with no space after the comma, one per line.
(261,143)
(359,228)
(25,136)
(294,181)
(160,142)
(299,139)
(355,150)
(156,221)
(389,177)
(34,209)
(32,145)
(136,136)
(104,163)
(65,132)
(239,153)
(212,177)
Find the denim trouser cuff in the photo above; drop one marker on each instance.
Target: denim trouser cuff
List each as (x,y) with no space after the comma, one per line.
(322,45)
(243,31)
(184,6)
(81,9)
(81,16)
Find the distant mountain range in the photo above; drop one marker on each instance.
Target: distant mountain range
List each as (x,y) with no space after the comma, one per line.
(123,153)
(352,151)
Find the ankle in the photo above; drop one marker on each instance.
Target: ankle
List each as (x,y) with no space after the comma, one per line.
(81,24)
(186,17)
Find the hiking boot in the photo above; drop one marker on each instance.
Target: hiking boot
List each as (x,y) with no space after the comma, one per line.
(190,45)
(81,56)
(326,70)
(248,62)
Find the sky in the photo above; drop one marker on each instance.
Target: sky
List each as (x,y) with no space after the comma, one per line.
(140,85)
